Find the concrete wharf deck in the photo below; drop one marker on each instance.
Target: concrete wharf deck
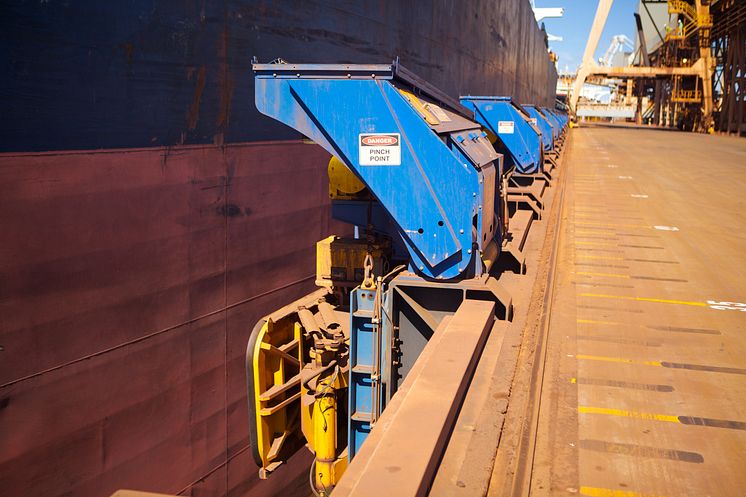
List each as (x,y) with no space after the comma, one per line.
(643,384)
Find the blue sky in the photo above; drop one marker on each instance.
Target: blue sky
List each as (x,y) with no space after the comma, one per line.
(576,24)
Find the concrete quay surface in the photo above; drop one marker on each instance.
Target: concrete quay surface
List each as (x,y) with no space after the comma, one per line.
(643,391)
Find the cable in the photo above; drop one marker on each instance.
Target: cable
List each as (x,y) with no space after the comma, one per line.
(324,393)
(311,480)
(393,271)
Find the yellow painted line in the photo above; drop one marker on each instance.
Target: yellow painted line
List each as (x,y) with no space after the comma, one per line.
(605,257)
(646,416)
(607,275)
(593,321)
(644,299)
(609,492)
(617,359)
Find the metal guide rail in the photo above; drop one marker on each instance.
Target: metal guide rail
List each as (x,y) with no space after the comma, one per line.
(414,171)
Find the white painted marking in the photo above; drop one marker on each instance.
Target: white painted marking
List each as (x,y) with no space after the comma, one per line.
(612,166)
(666,228)
(726,306)
(638,195)
(625,177)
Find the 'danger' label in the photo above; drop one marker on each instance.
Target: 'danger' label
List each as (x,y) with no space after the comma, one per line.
(505,127)
(380,149)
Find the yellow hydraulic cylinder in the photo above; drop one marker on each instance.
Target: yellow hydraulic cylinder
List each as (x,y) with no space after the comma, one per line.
(325,437)
(489,256)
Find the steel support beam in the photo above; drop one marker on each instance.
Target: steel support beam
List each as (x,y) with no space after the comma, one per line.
(602,12)
(649,72)
(402,453)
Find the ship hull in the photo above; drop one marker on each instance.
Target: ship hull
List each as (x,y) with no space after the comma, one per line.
(151,216)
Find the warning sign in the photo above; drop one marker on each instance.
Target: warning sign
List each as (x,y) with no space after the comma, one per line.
(380,149)
(505,127)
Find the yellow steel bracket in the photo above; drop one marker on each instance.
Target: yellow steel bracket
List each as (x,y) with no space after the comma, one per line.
(420,107)
(274,359)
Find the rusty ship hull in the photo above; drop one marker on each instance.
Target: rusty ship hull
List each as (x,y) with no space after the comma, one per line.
(150,216)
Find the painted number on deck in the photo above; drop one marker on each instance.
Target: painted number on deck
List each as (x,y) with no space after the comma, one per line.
(726,306)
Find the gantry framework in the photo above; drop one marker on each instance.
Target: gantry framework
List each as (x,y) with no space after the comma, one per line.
(695,77)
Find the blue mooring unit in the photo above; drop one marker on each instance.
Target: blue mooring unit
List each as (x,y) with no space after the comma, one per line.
(553,119)
(552,123)
(561,116)
(539,120)
(434,183)
(366,116)
(517,137)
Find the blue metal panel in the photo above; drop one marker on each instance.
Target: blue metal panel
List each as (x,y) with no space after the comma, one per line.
(434,217)
(552,122)
(556,115)
(561,116)
(556,124)
(547,132)
(517,135)
(363,341)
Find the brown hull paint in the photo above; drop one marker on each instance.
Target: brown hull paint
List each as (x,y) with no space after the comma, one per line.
(129,288)
(130,278)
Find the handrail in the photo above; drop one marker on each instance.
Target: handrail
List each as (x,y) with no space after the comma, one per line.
(682,7)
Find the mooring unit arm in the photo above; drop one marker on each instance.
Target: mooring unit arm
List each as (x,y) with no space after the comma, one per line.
(417,150)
